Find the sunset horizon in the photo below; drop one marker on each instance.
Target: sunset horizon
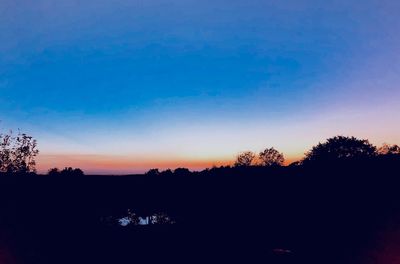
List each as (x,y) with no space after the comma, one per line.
(138,85)
(199,131)
(97,164)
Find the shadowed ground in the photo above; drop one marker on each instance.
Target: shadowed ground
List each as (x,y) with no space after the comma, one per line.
(346,213)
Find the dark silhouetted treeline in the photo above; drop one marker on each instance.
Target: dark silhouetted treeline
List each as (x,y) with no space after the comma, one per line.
(340,204)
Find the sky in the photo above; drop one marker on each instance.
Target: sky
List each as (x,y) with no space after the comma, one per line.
(124,86)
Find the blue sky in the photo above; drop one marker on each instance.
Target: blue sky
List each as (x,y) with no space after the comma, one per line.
(160,83)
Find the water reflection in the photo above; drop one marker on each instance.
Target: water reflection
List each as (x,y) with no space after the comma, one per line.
(130,218)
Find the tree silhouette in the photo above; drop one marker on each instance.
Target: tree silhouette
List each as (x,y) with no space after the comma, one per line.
(53,172)
(244,159)
(340,147)
(271,157)
(69,171)
(387,149)
(153,172)
(295,164)
(182,172)
(167,173)
(17,153)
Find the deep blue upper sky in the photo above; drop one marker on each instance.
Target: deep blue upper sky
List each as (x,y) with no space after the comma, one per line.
(197,80)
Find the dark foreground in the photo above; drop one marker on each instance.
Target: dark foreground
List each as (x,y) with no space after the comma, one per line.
(342,213)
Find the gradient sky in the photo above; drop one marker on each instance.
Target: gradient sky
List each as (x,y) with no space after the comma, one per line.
(123,86)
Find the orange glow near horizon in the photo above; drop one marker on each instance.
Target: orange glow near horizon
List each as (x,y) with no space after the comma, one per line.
(105,164)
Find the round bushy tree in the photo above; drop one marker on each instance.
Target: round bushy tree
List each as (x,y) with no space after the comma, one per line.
(339,148)
(271,157)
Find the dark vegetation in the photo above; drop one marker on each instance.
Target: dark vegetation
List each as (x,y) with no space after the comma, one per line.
(331,207)
(17,153)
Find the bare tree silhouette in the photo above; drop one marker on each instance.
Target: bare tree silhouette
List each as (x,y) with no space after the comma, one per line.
(271,157)
(245,159)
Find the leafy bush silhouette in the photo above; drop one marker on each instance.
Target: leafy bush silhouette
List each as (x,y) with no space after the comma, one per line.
(271,157)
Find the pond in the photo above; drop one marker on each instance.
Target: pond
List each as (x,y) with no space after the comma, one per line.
(130,218)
